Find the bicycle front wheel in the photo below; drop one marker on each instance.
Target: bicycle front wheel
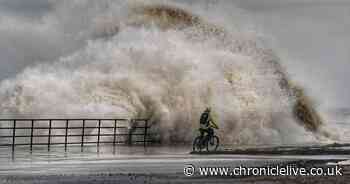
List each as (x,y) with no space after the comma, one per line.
(213,143)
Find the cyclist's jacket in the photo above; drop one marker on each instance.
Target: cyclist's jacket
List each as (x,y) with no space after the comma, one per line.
(206,121)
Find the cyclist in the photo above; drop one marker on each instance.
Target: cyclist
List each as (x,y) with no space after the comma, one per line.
(207,123)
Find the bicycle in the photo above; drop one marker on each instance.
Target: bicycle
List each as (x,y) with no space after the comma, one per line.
(211,142)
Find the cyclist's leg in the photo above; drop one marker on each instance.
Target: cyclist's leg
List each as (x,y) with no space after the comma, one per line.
(210,132)
(202,131)
(202,136)
(206,135)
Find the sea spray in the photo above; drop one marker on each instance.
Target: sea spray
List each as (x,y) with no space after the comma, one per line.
(143,68)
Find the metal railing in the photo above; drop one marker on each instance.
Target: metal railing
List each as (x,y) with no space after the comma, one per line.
(118,131)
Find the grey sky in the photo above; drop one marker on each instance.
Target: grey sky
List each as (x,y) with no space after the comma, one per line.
(29,8)
(312,38)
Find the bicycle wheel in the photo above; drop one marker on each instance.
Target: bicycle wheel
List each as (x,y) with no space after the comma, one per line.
(197,144)
(213,143)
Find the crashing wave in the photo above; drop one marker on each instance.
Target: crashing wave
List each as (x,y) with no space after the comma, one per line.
(165,63)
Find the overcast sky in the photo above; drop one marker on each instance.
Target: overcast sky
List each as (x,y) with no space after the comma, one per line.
(312,37)
(30,8)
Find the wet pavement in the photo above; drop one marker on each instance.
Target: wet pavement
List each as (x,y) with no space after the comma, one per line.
(136,164)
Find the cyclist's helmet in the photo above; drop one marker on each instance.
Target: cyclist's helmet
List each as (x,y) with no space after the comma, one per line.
(207,109)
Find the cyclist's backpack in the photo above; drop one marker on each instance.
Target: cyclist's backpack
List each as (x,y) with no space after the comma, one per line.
(204,118)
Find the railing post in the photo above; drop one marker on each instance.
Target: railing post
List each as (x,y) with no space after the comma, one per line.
(99,132)
(145,135)
(130,131)
(49,138)
(114,132)
(82,136)
(31,136)
(66,136)
(14,136)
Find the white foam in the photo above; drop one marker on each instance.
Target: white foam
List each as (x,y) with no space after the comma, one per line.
(165,76)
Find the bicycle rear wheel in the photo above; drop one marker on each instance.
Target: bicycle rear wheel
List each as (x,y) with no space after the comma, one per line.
(197,144)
